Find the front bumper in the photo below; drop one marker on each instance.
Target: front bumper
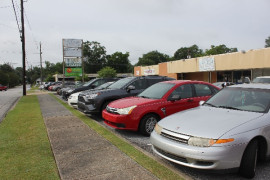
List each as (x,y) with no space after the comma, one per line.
(120,121)
(214,157)
(87,108)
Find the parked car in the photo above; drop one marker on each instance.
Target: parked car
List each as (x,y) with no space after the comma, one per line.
(96,101)
(88,85)
(229,131)
(73,98)
(223,84)
(3,88)
(154,103)
(262,79)
(65,86)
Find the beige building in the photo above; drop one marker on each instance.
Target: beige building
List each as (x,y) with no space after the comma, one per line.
(232,67)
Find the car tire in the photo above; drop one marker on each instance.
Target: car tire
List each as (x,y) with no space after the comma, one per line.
(148,123)
(249,160)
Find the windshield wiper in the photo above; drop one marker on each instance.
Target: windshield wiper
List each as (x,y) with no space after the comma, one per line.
(144,97)
(229,107)
(209,104)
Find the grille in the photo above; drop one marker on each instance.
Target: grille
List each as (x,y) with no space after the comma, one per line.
(80,98)
(172,156)
(111,110)
(175,136)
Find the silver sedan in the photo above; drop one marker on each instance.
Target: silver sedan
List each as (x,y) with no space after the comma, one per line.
(229,131)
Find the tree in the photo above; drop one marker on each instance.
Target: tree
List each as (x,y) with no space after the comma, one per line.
(95,56)
(8,75)
(152,58)
(221,49)
(107,72)
(188,52)
(119,62)
(267,42)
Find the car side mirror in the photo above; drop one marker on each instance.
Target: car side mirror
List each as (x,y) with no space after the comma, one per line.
(175,97)
(201,103)
(130,87)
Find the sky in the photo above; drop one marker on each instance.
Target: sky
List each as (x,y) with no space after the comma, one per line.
(134,26)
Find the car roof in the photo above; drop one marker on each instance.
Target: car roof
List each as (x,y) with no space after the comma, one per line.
(252,85)
(183,81)
(263,77)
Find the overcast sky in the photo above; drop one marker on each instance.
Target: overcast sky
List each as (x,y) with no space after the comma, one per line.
(134,26)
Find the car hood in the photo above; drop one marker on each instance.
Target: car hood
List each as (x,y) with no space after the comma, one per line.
(131,101)
(208,122)
(99,91)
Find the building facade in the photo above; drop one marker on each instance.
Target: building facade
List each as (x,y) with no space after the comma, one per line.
(231,67)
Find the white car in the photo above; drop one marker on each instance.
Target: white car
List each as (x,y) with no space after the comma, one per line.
(261,79)
(73,98)
(229,131)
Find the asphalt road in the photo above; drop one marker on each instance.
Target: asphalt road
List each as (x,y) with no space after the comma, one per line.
(8,98)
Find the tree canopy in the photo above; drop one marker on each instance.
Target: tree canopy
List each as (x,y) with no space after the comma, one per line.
(9,76)
(188,52)
(107,72)
(152,58)
(267,42)
(221,49)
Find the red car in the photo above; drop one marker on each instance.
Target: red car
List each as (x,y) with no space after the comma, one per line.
(156,102)
(2,88)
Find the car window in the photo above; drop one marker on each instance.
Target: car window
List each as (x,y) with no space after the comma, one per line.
(202,90)
(140,84)
(156,91)
(185,91)
(121,83)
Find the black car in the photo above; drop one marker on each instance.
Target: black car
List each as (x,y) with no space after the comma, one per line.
(88,85)
(95,101)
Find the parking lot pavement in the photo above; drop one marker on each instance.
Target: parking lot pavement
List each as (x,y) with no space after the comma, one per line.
(80,152)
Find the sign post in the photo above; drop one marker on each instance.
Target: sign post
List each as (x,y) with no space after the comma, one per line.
(72,58)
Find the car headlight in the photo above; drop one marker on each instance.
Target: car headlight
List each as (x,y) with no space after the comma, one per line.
(69,91)
(158,128)
(92,96)
(207,142)
(125,111)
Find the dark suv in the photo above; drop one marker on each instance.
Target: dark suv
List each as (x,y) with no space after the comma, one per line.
(88,85)
(96,101)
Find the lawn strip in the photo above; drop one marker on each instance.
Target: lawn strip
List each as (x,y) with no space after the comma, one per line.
(25,151)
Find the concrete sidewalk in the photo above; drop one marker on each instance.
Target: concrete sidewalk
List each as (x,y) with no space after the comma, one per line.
(81,153)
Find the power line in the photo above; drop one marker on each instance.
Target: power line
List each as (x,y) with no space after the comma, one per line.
(16,18)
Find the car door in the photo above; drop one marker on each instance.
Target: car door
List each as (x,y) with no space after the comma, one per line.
(185,92)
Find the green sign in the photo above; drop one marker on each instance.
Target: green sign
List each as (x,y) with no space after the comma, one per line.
(73,72)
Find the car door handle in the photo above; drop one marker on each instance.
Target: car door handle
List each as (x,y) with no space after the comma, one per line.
(190,100)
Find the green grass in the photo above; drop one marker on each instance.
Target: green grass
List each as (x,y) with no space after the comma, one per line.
(159,170)
(25,151)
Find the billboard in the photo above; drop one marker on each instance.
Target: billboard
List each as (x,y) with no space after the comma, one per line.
(207,64)
(73,71)
(73,62)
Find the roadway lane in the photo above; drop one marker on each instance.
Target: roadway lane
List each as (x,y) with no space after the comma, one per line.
(8,98)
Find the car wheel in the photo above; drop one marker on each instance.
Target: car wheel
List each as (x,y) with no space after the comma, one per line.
(148,123)
(249,160)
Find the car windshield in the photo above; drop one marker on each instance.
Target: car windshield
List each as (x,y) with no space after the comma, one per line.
(261,80)
(244,99)
(103,86)
(121,83)
(89,82)
(156,91)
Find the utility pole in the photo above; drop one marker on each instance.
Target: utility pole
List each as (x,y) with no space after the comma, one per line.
(41,77)
(23,49)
